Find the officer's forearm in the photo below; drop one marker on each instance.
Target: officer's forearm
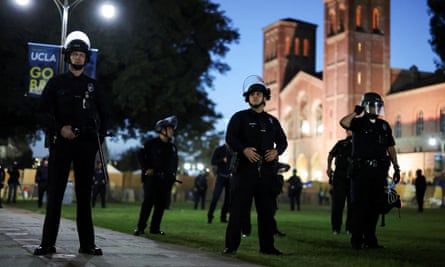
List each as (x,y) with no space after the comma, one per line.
(345,122)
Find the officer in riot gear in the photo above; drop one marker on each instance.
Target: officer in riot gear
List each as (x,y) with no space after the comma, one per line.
(74,109)
(373,151)
(258,139)
(159,163)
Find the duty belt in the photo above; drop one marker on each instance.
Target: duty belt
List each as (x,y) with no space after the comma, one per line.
(373,163)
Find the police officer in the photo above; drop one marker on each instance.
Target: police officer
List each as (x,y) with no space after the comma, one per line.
(258,139)
(99,185)
(76,112)
(340,183)
(41,180)
(294,190)
(159,162)
(373,151)
(221,159)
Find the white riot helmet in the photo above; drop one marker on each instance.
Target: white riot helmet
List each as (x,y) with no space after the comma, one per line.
(255,83)
(77,41)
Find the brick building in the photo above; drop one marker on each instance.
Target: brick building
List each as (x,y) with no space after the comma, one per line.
(309,104)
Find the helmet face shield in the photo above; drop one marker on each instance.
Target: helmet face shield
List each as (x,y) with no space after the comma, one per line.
(373,104)
(254,83)
(374,108)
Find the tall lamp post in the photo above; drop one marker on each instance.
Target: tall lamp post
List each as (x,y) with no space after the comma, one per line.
(64,6)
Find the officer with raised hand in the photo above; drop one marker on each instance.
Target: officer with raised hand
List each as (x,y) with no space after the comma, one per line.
(159,163)
(74,110)
(373,151)
(258,139)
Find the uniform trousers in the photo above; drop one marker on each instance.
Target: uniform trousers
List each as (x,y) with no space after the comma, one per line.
(340,196)
(367,186)
(222,183)
(81,152)
(99,189)
(247,185)
(156,193)
(42,188)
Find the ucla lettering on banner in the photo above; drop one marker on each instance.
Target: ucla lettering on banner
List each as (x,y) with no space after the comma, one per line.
(43,61)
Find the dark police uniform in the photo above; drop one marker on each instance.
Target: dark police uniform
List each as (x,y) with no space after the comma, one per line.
(99,187)
(371,162)
(221,159)
(162,157)
(262,131)
(341,184)
(79,102)
(41,180)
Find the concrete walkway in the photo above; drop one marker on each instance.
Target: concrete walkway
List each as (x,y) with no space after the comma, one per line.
(20,233)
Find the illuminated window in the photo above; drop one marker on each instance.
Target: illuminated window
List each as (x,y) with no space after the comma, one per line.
(375,19)
(359,47)
(319,120)
(287,46)
(306,47)
(358,17)
(359,78)
(297,46)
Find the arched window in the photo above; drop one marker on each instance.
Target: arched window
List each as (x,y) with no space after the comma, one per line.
(304,119)
(297,46)
(419,124)
(287,46)
(358,18)
(306,47)
(341,26)
(376,20)
(319,120)
(398,128)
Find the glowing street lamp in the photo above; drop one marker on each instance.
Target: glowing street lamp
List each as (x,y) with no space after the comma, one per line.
(63,6)
(433,142)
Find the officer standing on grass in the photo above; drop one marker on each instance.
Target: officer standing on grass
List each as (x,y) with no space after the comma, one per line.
(373,151)
(75,111)
(340,183)
(258,140)
(159,162)
(221,159)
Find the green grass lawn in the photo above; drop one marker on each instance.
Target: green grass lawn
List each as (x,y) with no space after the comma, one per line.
(414,239)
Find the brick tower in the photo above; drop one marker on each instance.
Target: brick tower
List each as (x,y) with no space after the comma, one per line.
(356,57)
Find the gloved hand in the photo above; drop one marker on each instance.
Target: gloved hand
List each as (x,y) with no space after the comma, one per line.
(358,109)
(396,176)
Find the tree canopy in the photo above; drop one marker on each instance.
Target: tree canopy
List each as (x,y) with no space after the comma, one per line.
(437,30)
(156,60)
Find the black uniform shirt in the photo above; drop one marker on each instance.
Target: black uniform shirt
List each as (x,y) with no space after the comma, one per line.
(75,101)
(342,153)
(262,131)
(160,156)
(218,156)
(370,140)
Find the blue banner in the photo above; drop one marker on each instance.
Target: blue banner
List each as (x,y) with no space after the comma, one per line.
(43,61)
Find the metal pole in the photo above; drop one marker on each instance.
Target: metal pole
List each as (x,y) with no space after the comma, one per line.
(63,9)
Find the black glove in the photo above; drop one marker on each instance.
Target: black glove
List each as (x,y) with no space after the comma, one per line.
(396,176)
(358,109)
